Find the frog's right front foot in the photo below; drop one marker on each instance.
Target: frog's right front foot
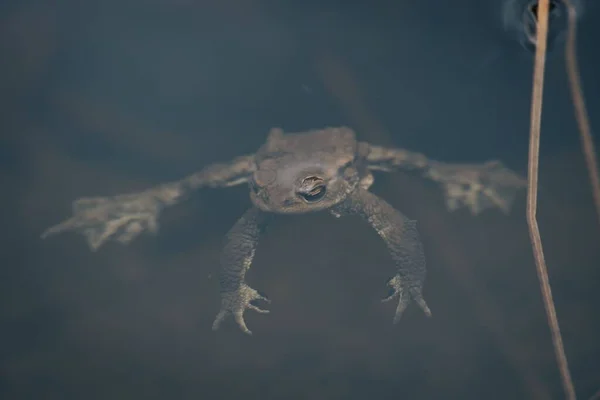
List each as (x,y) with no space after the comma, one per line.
(477,186)
(235,303)
(121,217)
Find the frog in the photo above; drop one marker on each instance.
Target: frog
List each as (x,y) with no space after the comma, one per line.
(320,170)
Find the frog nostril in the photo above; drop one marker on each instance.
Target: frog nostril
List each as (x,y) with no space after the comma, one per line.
(288,203)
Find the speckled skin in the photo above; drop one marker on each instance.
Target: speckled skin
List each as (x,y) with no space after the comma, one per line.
(295,173)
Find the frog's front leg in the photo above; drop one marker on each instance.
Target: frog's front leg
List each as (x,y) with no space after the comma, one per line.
(402,239)
(238,252)
(476,186)
(125,216)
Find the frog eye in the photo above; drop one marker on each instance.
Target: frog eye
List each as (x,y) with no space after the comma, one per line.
(315,194)
(312,189)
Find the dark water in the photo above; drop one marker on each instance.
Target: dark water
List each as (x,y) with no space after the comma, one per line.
(101,98)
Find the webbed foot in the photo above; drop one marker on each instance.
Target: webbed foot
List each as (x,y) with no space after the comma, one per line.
(235,303)
(405,294)
(121,217)
(479,186)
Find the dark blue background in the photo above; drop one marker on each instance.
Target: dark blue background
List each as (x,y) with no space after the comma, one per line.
(101,98)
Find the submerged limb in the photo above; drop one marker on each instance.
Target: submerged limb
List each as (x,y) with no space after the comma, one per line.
(475,186)
(124,217)
(402,239)
(235,303)
(390,159)
(237,256)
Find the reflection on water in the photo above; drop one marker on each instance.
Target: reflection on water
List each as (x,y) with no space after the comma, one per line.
(520,19)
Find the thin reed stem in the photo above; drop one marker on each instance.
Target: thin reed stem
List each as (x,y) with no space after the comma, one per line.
(532,189)
(587,140)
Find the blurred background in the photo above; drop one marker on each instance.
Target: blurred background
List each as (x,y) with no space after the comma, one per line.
(101,98)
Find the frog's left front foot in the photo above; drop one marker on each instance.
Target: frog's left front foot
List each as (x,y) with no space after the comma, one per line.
(405,294)
(235,303)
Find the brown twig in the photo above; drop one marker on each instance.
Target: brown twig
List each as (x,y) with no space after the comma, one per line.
(587,141)
(532,178)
